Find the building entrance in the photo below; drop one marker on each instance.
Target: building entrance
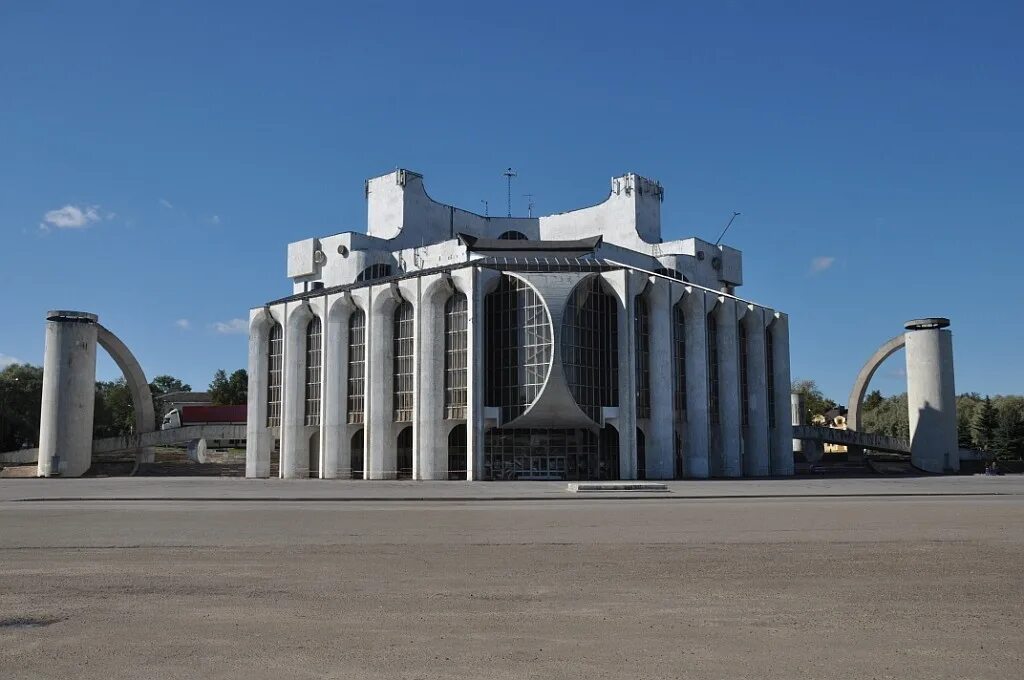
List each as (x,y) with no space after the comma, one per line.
(546,453)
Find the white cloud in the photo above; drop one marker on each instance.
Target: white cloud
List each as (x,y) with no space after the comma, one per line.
(231,326)
(183,324)
(821,263)
(215,220)
(71,217)
(6,360)
(165,203)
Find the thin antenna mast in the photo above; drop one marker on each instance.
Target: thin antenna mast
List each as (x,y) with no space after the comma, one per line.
(734,216)
(509,174)
(529,204)
(486,214)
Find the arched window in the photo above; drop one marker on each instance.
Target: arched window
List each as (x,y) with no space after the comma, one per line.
(457,468)
(642,329)
(609,453)
(513,235)
(590,347)
(456,348)
(275,364)
(519,346)
(357,455)
(712,336)
(679,359)
(403,453)
(403,362)
(641,454)
(769,353)
(356,366)
(741,333)
(314,354)
(373,272)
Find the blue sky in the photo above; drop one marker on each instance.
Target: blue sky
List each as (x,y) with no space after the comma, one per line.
(172,151)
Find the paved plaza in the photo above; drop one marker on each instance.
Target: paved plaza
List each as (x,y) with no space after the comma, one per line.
(855,578)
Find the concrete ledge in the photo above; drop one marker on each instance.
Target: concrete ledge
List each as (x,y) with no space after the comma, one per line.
(587,487)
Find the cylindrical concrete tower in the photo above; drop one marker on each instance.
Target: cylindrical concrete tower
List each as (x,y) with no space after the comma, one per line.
(931,397)
(69,394)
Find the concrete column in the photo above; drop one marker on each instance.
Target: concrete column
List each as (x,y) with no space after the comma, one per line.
(696,461)
(335,449)
(661,436)
(257,438)
(782,438)
(294,441)
(626,284)
(431,428)
(729,388)
(69,394)
(756,449)
(380,446)
(931,396)
(476,286)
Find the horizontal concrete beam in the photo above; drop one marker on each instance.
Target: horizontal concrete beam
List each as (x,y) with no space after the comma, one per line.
(866,440)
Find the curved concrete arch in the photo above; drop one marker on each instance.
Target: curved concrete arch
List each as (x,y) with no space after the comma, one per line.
(142,397)
(860,385)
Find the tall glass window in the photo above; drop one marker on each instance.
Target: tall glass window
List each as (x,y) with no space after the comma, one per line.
(456,348)
(769,354)
(403,362)
(518,337)
(275,366)
(314,358)
(590,352)
(741,332)
(712,336)
(356,366)
(642,329)
(679,359)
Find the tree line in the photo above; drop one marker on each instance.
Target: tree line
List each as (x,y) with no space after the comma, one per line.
(21,389)
(993,424)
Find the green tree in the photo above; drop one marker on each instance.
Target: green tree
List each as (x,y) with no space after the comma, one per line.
(229,390)
(21,390)
(114,415)
(889,417)
(966,406)
(165,384)
(983,426)
(1008,439)
(815,402)
(873,400)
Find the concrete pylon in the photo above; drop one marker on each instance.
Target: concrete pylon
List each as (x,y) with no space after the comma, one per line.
(931,396)
(69,394)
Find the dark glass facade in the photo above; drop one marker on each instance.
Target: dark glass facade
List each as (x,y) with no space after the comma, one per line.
(314,363)
(403,363)
(456,351)
(275,370)
(642,329)
(356,366)
(590,347)
(518,343)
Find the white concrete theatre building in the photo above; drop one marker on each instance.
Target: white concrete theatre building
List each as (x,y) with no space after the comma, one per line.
(442,344)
